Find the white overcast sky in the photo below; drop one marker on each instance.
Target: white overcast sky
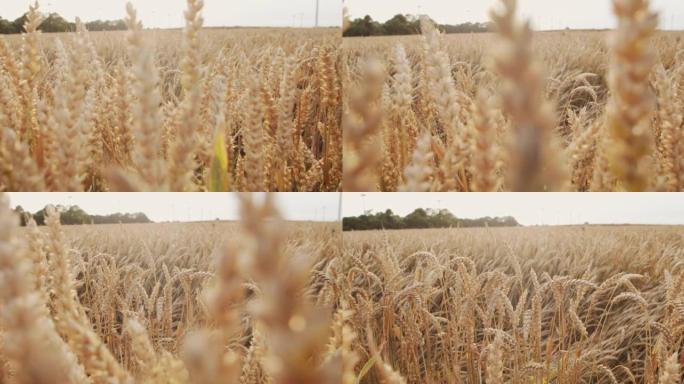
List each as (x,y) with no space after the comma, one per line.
(532,208)
(182,206)
(169,13)
(545,14)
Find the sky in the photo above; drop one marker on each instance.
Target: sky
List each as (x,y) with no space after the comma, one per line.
(169,13)
(160,207)
(545,14)
(532,208)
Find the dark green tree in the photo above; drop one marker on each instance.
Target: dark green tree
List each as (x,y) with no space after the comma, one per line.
(399,25)
(8,27)
(417,219)
(364,27)
(74,215)
(421,218)
(23,215)
(406,25)
(56,23)
(19,23)
(39,217)
(106,25)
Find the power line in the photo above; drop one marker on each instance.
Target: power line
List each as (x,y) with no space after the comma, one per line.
(339,208)
(317,4)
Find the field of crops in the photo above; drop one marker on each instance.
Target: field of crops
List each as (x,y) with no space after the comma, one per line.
(257,301)
(517,305)
(247,302)
(516,109)
(266,301)
(198,109)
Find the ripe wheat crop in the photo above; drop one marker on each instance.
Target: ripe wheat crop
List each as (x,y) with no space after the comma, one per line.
(194,303)
(260,302)
(517,305)
(517,110)
(198,109)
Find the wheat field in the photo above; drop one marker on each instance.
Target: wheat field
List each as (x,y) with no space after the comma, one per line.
(198,109)
(585,304)
(517,110)
(212,302)
(262,301)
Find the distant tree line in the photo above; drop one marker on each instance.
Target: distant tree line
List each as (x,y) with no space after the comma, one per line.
(421,218)
(74,215)
(406,25)
(55,23)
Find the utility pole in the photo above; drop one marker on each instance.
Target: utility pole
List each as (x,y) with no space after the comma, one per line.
(317,4)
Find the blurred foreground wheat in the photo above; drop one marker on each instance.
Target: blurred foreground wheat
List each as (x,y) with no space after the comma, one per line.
(517,110)
(171,303)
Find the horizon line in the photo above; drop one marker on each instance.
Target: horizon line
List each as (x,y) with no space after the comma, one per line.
(180,26)
(418,16)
